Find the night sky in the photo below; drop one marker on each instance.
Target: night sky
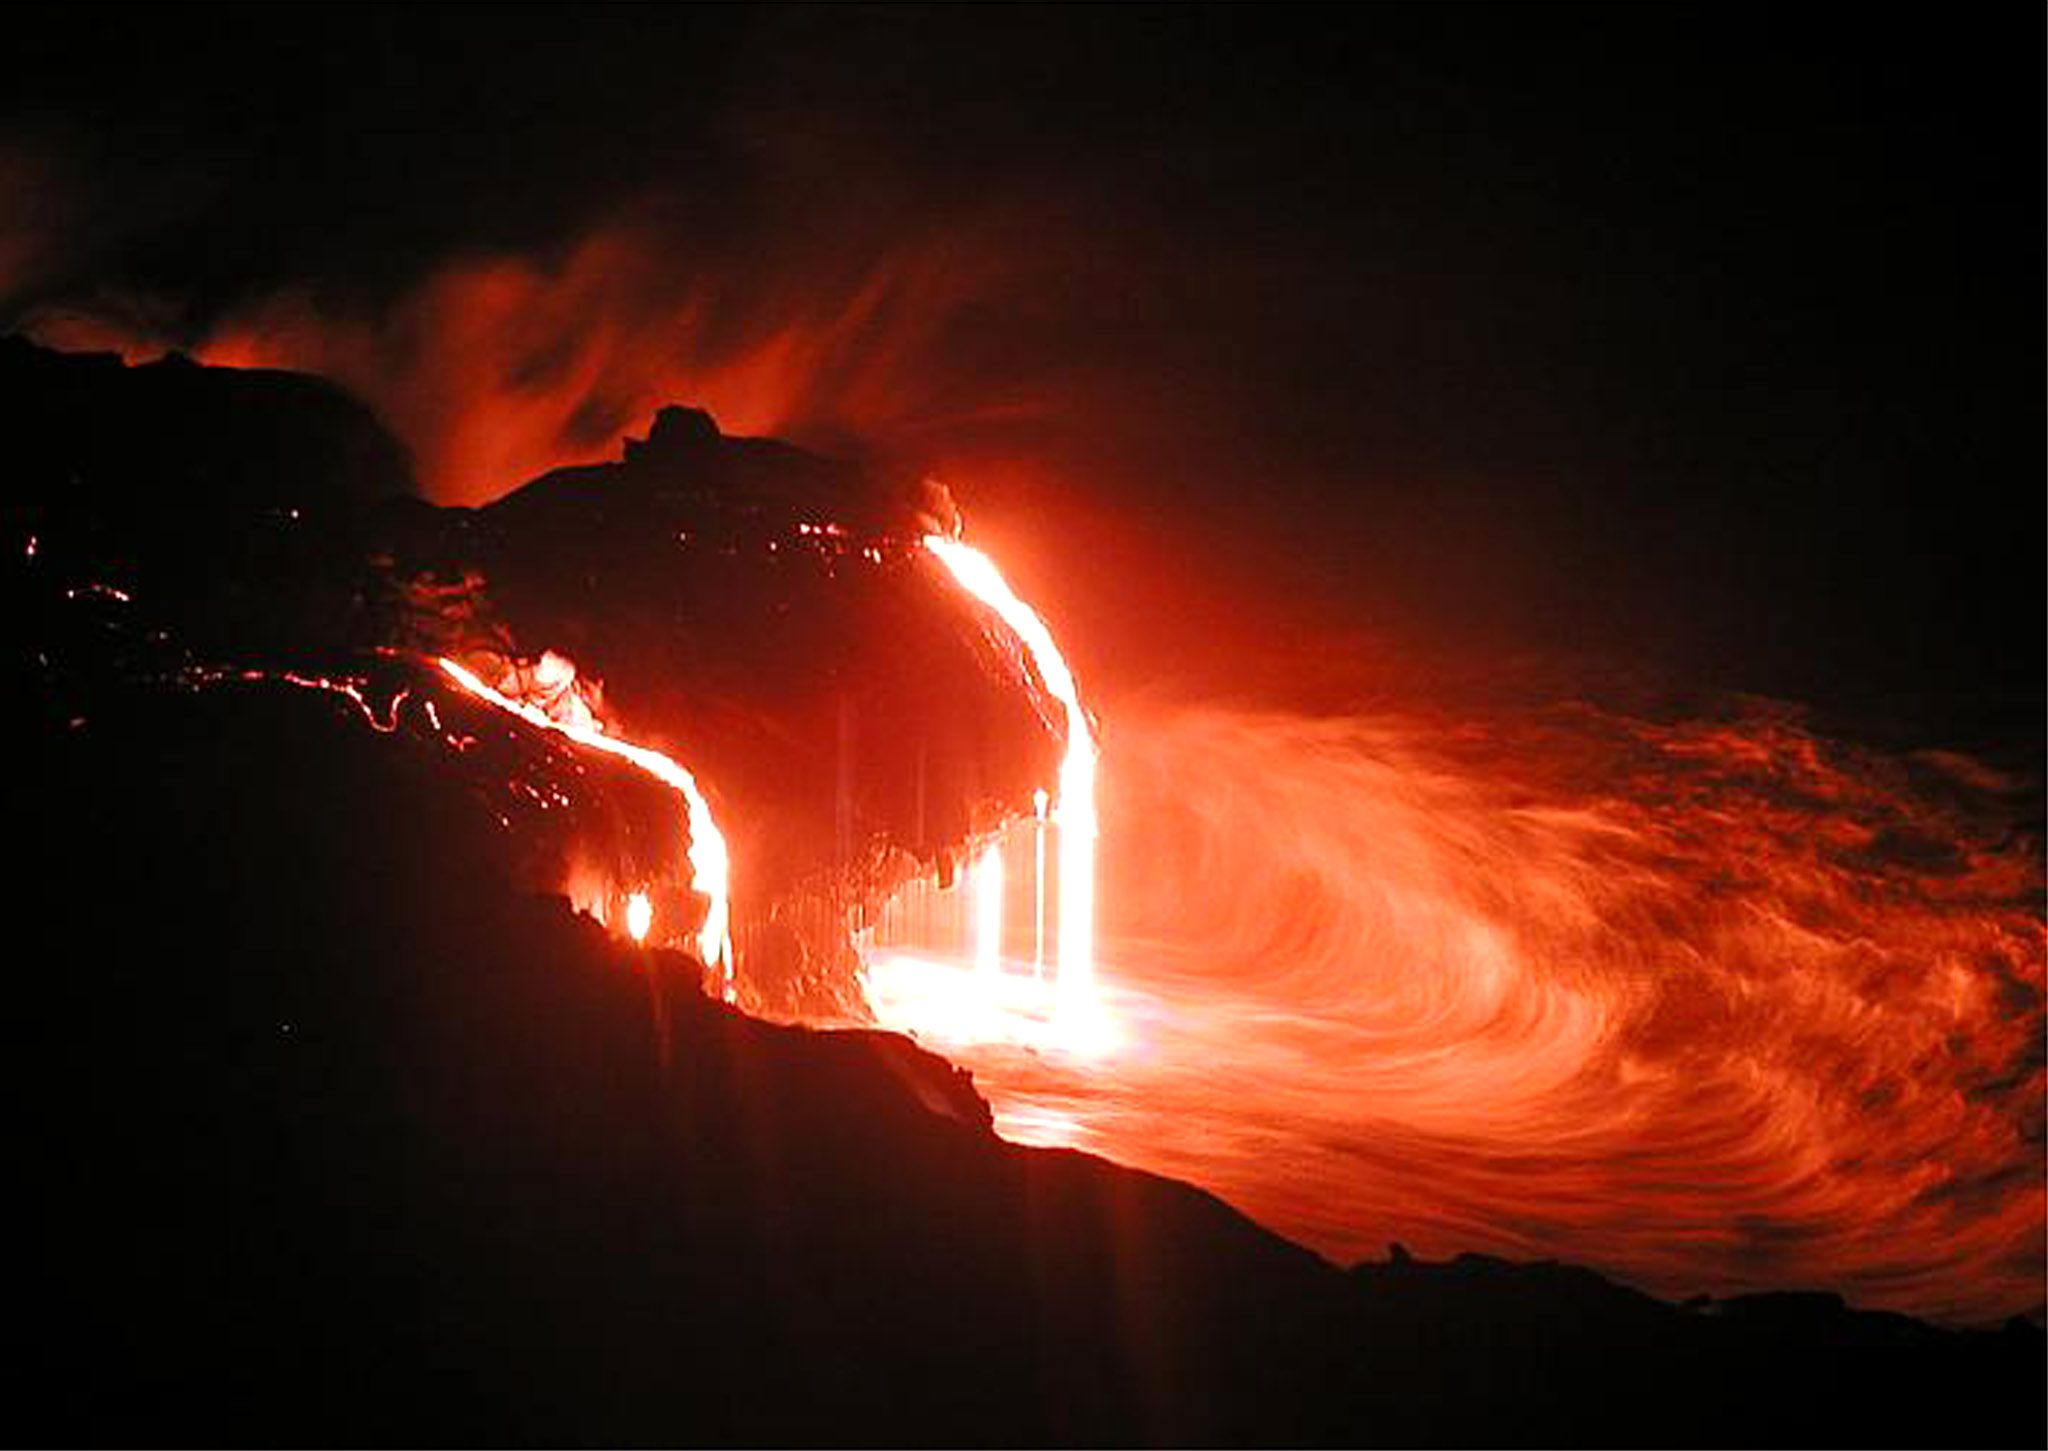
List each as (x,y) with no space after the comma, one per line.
(1705,340)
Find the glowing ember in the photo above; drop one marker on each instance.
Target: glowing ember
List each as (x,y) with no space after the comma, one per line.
(639,916)
(551,699)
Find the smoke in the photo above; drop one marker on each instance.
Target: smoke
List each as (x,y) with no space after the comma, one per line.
(1714,1005)
(1050,357)
(25,181)
(497,368)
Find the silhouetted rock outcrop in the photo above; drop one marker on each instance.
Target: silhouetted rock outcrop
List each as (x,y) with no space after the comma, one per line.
(174,436)
(767,615)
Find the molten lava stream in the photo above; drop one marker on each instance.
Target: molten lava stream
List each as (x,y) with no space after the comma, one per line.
(552,700)
(928,989)
(1709,1006)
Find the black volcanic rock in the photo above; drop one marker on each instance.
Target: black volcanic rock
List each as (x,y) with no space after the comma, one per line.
(769,617)
(775,618)
(676,432)
(172,435)
(329,1134)
(234,503)
(333,1136)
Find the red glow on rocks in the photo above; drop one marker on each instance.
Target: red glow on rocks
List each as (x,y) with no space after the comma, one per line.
(551,696)
(926,992)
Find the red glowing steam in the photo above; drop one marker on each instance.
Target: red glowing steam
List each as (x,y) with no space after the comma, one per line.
(1711,1006)
(494,369)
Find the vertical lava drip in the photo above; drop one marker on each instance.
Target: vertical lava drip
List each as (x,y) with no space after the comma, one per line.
(1074,810)
(988,911)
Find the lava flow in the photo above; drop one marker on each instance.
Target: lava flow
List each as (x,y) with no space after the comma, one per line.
(929,991)
(554,701)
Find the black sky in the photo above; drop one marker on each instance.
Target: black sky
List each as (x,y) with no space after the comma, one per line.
(1706,337)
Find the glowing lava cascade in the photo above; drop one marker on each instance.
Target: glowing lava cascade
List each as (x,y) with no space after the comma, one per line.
(917,995)
(560,706)
(979,576)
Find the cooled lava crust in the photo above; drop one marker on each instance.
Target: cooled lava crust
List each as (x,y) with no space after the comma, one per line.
(768,617)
